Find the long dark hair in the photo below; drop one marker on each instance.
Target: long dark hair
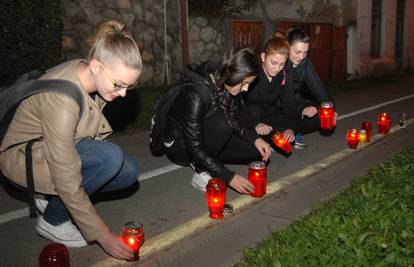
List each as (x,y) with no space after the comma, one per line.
(296,35)
(238,64)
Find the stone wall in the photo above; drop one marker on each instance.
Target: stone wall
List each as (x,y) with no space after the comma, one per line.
(145,20)
(208,38)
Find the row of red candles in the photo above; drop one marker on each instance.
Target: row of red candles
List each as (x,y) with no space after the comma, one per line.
(216,190)
(356,136)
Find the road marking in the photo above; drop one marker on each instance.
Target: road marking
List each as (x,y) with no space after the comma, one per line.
(341,117)
(168,238)
(159,171)
(13,215)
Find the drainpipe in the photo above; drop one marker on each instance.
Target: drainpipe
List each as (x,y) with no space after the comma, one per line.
(184,30)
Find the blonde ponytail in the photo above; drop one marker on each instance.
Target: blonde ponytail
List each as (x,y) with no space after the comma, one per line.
(113,40)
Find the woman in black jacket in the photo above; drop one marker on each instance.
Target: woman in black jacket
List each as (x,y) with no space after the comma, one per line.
(305,83)
(265,111)
(203,128)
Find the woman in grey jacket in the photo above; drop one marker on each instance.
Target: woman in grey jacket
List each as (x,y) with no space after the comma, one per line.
(71,161)
(306,85)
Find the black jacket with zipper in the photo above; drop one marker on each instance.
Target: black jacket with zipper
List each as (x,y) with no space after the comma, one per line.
(270,98)
(306,85)
(196,102)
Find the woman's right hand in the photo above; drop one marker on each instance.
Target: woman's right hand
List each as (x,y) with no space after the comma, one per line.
(114,246)
(241,184)
(309,111)
(263,129)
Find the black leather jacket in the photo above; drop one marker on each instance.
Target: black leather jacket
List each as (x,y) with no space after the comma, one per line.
(306,85)
(196,102)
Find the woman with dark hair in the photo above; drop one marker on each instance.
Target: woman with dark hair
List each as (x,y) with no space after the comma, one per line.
(306,85)
(265,112)
(203,128)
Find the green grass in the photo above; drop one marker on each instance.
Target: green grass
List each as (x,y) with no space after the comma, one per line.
(369,224)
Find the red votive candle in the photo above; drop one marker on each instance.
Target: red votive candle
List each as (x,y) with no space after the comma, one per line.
(384,123)
(327,115)
(133,236)
(367,126)
(352,137)
(216,197)
(280,141)
(54,255)
(258,177)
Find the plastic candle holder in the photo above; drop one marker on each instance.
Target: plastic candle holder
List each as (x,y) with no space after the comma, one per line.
(216,197)
(258,177)
(327,115)
(133,236)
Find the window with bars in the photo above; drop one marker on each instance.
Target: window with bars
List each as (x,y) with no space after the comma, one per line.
(376,28)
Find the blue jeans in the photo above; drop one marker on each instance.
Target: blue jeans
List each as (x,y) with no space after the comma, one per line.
(105,167)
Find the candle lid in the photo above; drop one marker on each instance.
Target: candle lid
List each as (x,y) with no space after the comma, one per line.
(133,228)
(257,165)
(327,104)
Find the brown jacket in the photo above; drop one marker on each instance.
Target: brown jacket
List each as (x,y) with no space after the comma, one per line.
(54,117)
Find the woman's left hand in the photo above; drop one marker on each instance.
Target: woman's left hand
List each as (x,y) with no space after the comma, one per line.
(289,135)
(264,148)
(336,116)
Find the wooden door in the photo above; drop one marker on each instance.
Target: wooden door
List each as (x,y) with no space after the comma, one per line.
(339,68)
(248,33)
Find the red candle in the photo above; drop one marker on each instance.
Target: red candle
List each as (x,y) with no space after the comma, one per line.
(384,123)
(327,115)
(216,197)
(280,141)
(133,236)
(258,176)
(54,255)
(367,126)
(352,137)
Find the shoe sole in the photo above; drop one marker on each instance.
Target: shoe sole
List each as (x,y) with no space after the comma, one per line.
(196,186)
(68,243)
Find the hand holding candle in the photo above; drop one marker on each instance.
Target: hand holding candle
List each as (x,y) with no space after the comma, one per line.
(133,236)
(258,177)
(280,141)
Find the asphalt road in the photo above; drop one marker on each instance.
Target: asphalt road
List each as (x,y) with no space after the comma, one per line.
(176,229)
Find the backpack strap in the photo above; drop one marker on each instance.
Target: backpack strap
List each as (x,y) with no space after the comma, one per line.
(29,178)
(40,86)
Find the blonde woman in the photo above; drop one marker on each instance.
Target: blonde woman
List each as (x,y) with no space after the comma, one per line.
(71,161)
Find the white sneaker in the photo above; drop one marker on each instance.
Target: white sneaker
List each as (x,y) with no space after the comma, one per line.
(65,233)
(200,180)
(41,204)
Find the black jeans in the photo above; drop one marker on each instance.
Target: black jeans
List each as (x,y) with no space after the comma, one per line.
(219,141)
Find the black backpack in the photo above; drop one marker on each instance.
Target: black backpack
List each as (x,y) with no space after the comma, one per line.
(11,97)
(163,106)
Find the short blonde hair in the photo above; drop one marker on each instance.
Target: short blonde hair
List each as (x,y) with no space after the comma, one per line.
(113,40)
